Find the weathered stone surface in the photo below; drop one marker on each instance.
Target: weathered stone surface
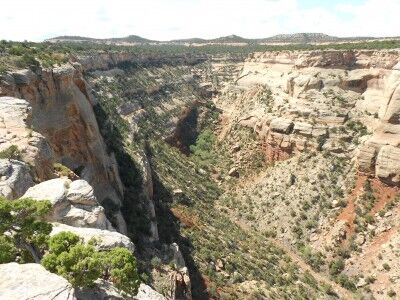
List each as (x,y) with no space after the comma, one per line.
(147,293)
(390,112)
(233,172)
(24,76)
(106,239)
(15,178)
(32,281)
(281,125)
(15,130)
(81,192)
(61,110)
(388,164)
(54,190)
(103,290)
(302,128)
(319,131)
(366,158)
(73,203)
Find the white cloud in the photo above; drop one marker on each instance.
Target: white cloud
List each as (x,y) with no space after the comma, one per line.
(169,19)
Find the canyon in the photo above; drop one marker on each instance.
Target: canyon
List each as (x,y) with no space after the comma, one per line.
(269,176)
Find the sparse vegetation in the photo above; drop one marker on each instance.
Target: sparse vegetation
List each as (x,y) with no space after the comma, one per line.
(11,152)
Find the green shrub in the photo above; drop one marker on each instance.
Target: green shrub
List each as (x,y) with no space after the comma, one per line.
(11,152)
(156,262)
(203,149)
(23,217)
(121,265)
(345,282)
(81,264)
(8,250)
(62,170)
(336,266)
(386,266)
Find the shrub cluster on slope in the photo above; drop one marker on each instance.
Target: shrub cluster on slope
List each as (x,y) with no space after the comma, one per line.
(25,238)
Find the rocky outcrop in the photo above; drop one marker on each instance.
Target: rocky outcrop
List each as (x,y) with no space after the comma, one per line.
(147,293)
(388,164)
(147,190)
(320,100)
(73,203)
(335,59)
(281,125)
(379,154)
(105,239)
(60,109)
(15,178)
(32,281)
(16,130)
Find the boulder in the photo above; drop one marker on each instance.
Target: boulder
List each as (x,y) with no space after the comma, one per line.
(32,281)
(388,164)
(54,190)
(80,192)
(303,128)
(233,172)
(106,239)
(15,178)
(281,125)
(319,131)
(147,293)
(73,203)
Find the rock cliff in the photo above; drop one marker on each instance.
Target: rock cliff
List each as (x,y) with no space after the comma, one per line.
(59,121)
(311,99)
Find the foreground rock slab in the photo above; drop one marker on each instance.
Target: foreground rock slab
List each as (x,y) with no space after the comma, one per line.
(32,281)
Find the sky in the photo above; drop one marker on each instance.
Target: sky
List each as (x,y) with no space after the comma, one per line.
(172,19)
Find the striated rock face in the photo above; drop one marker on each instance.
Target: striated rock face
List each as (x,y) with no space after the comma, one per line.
(61,111)
(15,178)
(381,151)
(32,281)
(388,164)
(106,239)
(73,203)
(385,59)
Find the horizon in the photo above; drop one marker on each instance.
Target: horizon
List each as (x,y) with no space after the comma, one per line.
(217,37)
(205,19)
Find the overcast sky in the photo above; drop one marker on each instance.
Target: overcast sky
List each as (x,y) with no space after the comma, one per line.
(171,19)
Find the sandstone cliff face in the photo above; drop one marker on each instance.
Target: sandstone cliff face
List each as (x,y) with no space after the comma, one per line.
(60,109)
(322,99)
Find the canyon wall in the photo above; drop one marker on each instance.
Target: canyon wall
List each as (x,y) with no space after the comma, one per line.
(61,111)
(322,99)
